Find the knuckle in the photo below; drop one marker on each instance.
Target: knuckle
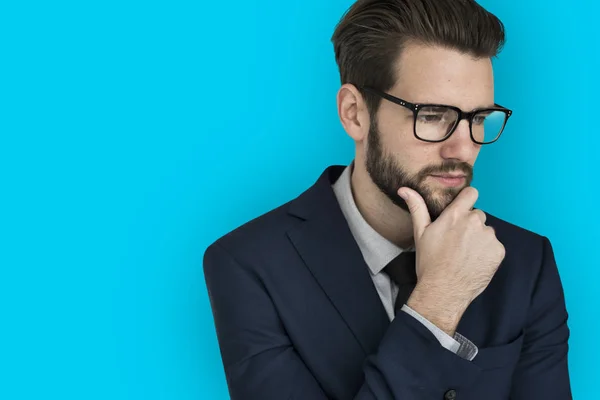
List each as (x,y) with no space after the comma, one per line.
(414,207)
(475,218)
(482,215)
(501,252)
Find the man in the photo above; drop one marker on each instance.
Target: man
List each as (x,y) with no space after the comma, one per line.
(381,281)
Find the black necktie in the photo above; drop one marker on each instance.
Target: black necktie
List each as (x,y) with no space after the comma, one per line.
(402,270)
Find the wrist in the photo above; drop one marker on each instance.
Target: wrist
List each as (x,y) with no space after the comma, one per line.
(443,311)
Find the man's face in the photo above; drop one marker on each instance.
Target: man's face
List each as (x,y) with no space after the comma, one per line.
(396,158)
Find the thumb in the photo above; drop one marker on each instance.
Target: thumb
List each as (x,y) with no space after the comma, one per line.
(418,210)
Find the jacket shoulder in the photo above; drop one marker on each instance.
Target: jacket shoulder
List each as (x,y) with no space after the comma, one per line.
(527,252)
(259,234)
(513,235)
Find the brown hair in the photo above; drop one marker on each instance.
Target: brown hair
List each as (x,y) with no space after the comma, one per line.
(370,36)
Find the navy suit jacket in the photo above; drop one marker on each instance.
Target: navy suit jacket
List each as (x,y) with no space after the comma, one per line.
(297,316)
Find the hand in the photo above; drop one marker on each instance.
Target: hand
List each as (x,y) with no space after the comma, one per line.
(457,256)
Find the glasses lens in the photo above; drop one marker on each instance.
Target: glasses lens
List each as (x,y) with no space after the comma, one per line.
(488,125)
(435,123)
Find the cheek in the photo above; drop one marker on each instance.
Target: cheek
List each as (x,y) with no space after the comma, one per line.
(402,145)
(412,160)
(396,127)
(418,155)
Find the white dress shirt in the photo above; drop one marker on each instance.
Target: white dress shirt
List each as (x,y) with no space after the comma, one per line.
(378,252)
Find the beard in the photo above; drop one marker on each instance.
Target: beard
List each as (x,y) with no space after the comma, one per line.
(389,176)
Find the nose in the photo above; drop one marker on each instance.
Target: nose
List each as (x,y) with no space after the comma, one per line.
(459,145)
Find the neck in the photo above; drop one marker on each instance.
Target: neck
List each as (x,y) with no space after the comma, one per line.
(389,220)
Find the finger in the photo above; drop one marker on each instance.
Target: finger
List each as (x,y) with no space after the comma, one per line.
(464,202)
(482,216)
(418,210)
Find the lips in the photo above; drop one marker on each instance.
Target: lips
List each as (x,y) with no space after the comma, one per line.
(447,176)
(450,180)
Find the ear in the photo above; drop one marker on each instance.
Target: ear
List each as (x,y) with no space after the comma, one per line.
(353,112)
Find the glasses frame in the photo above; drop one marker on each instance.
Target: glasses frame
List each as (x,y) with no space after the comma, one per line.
(461,115)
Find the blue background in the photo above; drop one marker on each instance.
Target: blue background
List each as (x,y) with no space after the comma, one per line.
(133,134)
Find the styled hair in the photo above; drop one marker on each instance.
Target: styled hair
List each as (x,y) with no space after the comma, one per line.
(369,38)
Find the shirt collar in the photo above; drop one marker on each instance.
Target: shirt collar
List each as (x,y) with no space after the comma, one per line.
(376,250)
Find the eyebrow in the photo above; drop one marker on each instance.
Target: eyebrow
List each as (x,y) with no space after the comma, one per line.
(492,105)
(437,107)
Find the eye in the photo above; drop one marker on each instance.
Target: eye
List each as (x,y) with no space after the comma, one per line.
(430,118)
(479,119)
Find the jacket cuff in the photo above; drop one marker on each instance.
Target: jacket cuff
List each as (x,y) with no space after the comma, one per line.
(459,345)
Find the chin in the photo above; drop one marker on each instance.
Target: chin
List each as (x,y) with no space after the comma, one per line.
(438,199)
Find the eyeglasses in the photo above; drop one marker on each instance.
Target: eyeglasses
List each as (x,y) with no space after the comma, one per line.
(436,122)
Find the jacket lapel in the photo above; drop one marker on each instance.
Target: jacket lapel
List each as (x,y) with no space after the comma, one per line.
(327,247)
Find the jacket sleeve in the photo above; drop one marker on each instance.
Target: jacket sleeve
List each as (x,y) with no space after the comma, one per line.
(261,362)
(542,371)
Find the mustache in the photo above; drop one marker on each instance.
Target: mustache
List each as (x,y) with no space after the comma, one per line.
(447,167)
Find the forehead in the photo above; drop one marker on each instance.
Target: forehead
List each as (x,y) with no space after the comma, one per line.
(433,74)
